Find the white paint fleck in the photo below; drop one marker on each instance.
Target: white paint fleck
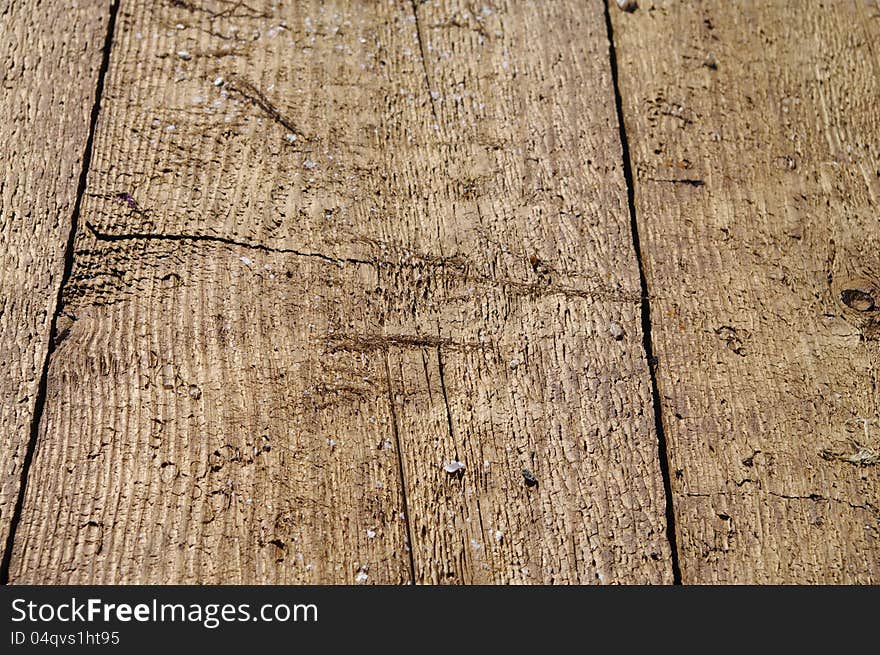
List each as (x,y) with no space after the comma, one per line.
(371,534)
(453,467)
(498,536)
(514,363)
(616,331)
(361,577)
(218,81)
(184,54)
(246,260)
(291,138)
(308,163)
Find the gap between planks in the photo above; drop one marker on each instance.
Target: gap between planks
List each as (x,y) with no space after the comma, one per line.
(647,342)
(65,276)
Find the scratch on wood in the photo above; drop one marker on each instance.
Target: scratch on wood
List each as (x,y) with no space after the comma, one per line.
(258,99)
(372,342)
(442,372)
(424,57)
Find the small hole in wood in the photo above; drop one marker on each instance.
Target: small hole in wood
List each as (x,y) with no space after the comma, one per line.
(859,300)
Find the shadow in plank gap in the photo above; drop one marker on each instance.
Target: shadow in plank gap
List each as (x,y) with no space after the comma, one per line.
(52,56)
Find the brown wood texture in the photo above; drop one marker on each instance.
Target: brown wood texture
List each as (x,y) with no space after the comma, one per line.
(753,131)
(50,54)
(325,249)
(515,206)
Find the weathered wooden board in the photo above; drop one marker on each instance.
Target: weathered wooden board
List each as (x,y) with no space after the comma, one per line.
(50,54)
(198,428)
(753,129)
(515,206)
(325,249)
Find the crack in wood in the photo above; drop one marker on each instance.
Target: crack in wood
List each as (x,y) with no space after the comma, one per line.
(663,451)
(395,430)
(139,236)
(442,373)
(373,342)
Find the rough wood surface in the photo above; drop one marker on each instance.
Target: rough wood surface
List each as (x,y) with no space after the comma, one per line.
(326,248)
(753,131)
(50,54)
(515,206)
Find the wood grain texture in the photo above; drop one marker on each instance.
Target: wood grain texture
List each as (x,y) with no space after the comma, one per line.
(326,248)
(50,54)
(753,140)
(198,427)
(515,205)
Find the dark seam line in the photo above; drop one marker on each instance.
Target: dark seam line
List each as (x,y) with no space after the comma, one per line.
(396,431)
(40,403)
(662,446)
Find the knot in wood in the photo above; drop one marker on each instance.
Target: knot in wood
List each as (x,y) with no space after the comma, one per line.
(859,300)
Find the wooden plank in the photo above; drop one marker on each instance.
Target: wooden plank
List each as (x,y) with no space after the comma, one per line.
(753,139)
(373,242)
(50,55)
(514,208)
(198,426)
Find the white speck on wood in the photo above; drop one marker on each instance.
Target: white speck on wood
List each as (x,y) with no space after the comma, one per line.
(616,331)
(453,467)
